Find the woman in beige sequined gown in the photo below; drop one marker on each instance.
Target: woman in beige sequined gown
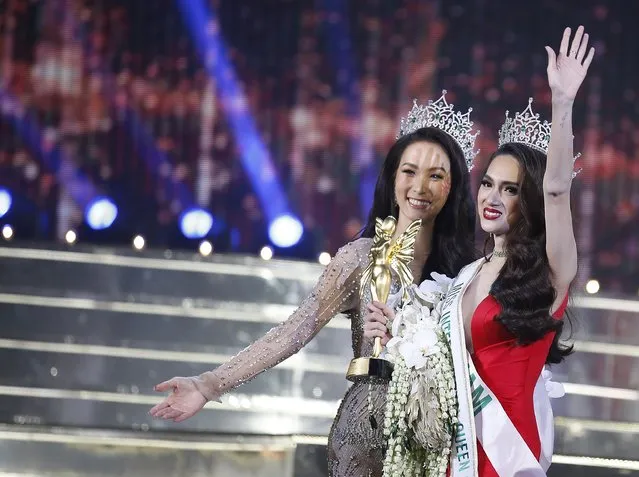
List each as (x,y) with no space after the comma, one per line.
(424,176)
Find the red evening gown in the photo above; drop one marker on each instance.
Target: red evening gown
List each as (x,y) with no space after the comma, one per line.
(511,372)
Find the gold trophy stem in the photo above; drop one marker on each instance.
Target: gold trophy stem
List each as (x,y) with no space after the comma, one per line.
(377,276)
(377,347)
(380,289)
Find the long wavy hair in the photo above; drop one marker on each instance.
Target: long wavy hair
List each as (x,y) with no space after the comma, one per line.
(523,287)
(452,244)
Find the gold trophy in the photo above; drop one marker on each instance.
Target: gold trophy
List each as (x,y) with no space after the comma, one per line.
(383,257)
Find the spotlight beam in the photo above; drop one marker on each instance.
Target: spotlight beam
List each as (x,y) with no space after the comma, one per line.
(53,159)
(203,25)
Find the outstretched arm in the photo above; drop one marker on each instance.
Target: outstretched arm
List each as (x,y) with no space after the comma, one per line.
(566,72)
(335,292)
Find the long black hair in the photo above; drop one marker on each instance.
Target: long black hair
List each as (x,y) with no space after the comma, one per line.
(452,245)
(523,287)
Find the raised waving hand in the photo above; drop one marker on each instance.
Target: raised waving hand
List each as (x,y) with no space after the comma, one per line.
(567,70)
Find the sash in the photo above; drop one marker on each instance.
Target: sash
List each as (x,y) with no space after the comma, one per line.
(545,389)
(481,416)
(463,461)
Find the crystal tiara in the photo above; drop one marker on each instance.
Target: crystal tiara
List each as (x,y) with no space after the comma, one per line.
(526,128)
(441,115)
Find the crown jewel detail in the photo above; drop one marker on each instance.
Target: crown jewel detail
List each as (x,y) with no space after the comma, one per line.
(441,115)
(526,128)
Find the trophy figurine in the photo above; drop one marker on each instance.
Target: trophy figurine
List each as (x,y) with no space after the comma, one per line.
(383,257)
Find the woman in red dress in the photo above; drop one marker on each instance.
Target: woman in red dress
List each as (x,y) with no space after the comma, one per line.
(507,307)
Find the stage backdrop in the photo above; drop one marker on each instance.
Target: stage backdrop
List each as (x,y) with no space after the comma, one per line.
(254,109)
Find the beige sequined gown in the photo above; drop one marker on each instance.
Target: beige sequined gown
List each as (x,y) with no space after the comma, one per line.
(355,449)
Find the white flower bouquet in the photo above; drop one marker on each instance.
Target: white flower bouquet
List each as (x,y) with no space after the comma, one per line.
(421,404)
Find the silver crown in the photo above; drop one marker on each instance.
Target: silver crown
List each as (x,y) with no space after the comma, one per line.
(526,128)
(441,115)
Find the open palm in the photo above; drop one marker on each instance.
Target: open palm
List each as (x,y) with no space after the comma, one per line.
(567,71)
(184,401)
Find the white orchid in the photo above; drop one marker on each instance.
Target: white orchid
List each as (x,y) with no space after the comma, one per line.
(430,286)
(423,344)
(411,314)
(430,292)
(436,312)
(443,281)
(414,335)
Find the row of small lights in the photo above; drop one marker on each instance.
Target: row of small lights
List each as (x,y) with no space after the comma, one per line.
(266,253)
(205,248)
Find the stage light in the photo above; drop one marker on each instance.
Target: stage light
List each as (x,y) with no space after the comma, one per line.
(101,213)
(70,237)
(206,248)
(592,287)
(196,223)
(7,232)
(266,253)
(324,258)
(253,153)
(138,242)
(285,231)
(5,202)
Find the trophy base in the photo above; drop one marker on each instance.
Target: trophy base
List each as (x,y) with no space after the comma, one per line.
(369,367)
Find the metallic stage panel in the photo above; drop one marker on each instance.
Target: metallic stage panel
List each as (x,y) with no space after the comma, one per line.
(88,332)
(59,452)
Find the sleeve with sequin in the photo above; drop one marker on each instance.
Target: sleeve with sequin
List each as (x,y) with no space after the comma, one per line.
(336,291)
